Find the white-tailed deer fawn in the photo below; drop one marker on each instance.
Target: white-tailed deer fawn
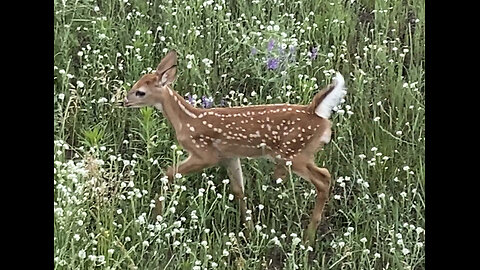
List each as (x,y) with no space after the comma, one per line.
(286,133)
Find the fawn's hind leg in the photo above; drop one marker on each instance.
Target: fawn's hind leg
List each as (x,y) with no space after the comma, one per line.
(234,170)
(320,178)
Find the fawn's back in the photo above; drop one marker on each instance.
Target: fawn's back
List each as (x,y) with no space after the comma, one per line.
(280,131)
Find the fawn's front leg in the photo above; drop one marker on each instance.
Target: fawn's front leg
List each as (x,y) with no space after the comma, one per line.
(193,163)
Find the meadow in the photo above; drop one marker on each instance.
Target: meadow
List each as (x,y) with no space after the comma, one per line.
(109,162)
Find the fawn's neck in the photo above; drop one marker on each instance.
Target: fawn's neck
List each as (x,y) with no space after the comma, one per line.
(176,109)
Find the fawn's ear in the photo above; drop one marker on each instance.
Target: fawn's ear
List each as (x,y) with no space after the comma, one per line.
(167,68)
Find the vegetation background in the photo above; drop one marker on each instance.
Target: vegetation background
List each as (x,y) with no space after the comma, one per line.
(109,161)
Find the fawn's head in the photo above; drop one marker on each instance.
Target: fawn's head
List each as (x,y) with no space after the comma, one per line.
(149,90)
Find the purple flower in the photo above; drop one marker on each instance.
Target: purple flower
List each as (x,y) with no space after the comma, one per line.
(254,51)
(314,52)
(272,63)
(270,45)
(207,102)
(190,99)
(292,54)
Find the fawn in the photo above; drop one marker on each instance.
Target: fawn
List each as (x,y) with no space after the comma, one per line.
(288,134)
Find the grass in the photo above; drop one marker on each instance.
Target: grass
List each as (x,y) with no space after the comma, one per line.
(109,162)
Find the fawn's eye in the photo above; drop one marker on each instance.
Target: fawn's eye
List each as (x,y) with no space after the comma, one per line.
(139,94)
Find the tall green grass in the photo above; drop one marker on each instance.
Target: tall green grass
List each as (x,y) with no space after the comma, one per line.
(109,162)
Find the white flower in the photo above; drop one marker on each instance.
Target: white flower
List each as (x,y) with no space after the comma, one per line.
(381,195)
(337,197)
(341,244)
(178,175)
(376,255)
(76,237)
(145,243)
(225,252)
(279,180)
(61,96)
(288,163)
(362,156)
(260,206)
(296,240)
(403,194)
(405,251)
(276,28)
(419,230)
(80,84)
(110,251)
(376,119)
(363,240)
(82,254)
(231,197)
(101,259)
(398,133)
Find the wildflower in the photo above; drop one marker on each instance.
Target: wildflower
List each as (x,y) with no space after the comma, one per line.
(363,240)
(225,252)
(376,255)
(279,180)
(101,259)
(145,243)
(405,251)
(270,45)
(61,96)
(295,241)
(314,52)
(231,197)
(272,63)
(190,99)
(253,51)
(82,254)
(207,102)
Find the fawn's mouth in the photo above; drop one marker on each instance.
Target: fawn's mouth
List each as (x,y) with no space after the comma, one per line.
(128,104)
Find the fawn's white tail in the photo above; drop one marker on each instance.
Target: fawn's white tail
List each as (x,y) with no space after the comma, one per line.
(324,109)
